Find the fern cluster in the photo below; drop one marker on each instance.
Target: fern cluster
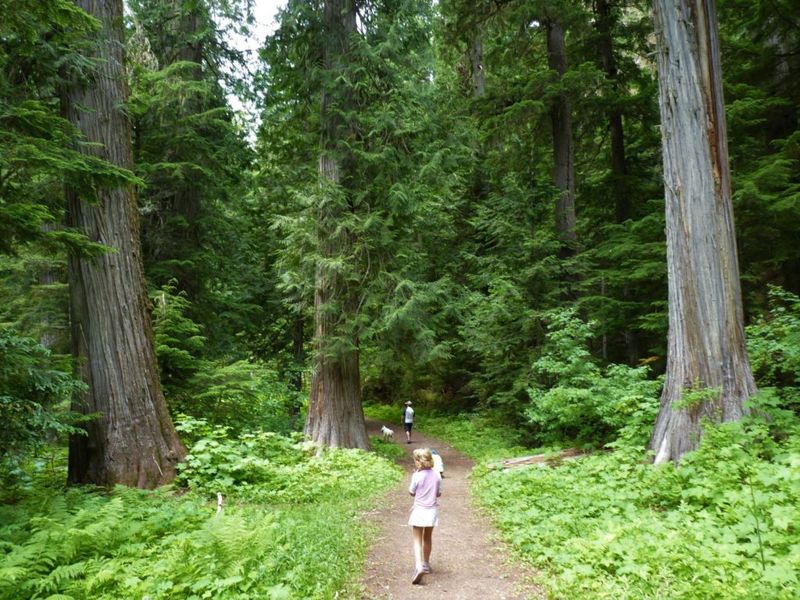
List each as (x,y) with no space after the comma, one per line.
(306,543)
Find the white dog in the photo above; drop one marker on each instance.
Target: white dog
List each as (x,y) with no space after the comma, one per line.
(388,434)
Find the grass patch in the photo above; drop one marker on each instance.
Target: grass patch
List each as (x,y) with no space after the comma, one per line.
(386,449)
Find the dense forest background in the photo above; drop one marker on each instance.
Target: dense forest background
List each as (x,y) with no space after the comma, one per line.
(490,238)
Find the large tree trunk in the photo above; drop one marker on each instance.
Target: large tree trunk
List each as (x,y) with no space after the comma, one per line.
(335,414)
(133,441)
(563,152)
(706,347)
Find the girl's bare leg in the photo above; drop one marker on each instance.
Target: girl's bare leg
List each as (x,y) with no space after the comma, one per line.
(427,543)
(418,532)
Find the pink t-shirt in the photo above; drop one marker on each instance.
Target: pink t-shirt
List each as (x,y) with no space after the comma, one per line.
(426,485)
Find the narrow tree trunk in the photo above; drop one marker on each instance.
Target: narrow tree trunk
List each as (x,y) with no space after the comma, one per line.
(49,337)
(605,45)
(477,70)
(563,152)
(298,350)
(706,346)
(478,188)
(173,231)
(48,276)
(133,441)
(619,168)
(335,414)
(189,48)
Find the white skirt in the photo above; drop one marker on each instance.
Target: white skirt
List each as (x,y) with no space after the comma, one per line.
(422,516)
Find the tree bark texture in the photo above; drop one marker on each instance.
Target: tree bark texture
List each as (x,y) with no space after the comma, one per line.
(335,415)
(706,345)
(133,442)
(563,151)
(477,70)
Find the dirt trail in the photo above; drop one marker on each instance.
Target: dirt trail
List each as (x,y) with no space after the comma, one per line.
(468,561)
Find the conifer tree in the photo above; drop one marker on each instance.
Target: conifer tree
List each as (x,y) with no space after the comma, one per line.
(335,415)
(132,441)
(192,154)
(563,148)
(708,372)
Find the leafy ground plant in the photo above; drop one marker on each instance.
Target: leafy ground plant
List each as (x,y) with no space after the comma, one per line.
(723,525)
(289,529)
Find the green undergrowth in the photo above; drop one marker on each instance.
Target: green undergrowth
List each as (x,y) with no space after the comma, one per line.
(290,527)
(476,435)
(723,525)
(387,449)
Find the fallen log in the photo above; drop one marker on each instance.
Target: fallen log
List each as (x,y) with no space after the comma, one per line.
(548,459)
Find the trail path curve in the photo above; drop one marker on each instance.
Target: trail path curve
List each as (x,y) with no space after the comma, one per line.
(468,560)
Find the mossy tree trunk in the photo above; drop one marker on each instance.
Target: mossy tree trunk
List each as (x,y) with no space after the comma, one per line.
(706,346)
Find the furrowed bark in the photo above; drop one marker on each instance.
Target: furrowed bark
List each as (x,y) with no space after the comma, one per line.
(133,442)
(706,345)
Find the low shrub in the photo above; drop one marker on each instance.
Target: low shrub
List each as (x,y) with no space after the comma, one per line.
(268,467)
(773,345)
(723,525)
(573,399)
(243,395)
(390,450)
(35,393)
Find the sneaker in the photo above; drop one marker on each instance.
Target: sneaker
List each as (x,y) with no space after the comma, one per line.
(426,568)
(417,576)
(408,442)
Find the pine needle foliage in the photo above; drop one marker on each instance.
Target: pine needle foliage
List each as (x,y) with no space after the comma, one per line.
(41,46)
(191,152)
(400,185)
(35,390)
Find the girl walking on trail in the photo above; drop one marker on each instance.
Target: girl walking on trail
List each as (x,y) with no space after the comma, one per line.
(426,487)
